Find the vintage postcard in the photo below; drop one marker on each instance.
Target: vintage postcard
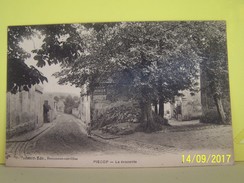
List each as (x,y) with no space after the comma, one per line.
(119,94)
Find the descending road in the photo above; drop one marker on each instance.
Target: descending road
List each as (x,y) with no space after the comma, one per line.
(66,137)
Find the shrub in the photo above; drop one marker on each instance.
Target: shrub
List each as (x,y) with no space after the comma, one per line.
(210,116)
(117,112)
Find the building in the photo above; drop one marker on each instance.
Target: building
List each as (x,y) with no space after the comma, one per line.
(49,99)
(24,111)
(60,106)
(188,107)
(85,106)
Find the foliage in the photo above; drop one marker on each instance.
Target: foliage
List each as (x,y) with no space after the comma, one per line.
(211,116)
(212,47)
(214,66)
(117,112)
(62,43)
(20,75)
(137,56)
(56,98)
(148,61)
(70,103)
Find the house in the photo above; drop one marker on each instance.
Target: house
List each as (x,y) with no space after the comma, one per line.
(188,106)
(85,105)
(24,111)
(60,106)
(48,98)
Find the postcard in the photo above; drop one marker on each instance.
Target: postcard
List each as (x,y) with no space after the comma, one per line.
(118,94)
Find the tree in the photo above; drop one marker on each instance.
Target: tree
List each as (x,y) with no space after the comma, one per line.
(151,61)
(76,98)
(61,44)
(56,98)
(212,47)
(148,60)
(20,76)
(168,64)
(69,104)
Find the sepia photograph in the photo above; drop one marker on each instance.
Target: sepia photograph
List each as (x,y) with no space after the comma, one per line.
(118,94)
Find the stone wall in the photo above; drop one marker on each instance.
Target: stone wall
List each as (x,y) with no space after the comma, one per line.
(191,106)
(85,106)
(98,105)
(76,112)
(24,111)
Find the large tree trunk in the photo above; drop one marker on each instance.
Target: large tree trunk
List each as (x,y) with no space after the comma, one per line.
(147,120)
(161,107)
(161,112)
(155,103)
(220,108)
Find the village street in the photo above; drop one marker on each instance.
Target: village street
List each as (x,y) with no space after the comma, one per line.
(67,136)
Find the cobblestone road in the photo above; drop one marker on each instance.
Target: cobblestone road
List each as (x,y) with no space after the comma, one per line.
(67,136)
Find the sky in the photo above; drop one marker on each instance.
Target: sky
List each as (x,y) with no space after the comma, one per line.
(52,85)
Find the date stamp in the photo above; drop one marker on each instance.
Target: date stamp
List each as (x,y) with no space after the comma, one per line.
(206,158)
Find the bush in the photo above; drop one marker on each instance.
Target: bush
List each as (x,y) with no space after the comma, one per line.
(117,112)
(210,116)
(68,110)
(123,117)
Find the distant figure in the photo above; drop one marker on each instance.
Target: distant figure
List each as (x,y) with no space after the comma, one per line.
(46,109)
(178,112)
(88,130)
(167,115)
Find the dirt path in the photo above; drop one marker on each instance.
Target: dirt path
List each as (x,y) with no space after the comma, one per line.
(183,136)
